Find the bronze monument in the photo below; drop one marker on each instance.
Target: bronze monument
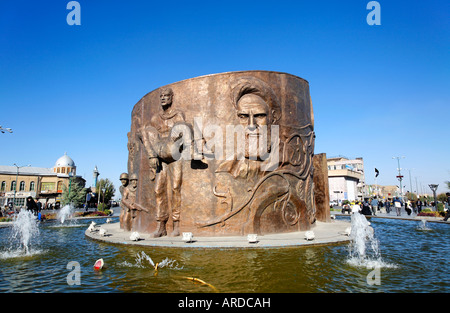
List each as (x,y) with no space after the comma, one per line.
(223,154)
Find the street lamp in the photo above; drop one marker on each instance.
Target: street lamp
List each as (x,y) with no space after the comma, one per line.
(400,177)
(103,189)
(434,187)
(99,192)
(410,180)
(17,176)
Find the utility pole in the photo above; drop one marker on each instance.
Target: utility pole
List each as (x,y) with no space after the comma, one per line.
(400,177)
(99,192)
(410,180)
(17,176)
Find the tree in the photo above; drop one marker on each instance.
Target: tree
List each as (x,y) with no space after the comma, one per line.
(442,197)
(108,186)
(411,196)
(76,196)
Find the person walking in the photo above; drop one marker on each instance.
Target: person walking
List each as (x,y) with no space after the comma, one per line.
(380,205)
(356,208)
(31,205)
(414,207)
(408,207)
(419,205)
(38,205)
(366,209)
(374,205)
(447,215)
(388,206)
(398,206)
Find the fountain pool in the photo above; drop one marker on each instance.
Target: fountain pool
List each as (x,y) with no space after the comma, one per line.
(418,262)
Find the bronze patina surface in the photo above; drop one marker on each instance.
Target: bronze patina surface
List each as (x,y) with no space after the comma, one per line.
(222,154)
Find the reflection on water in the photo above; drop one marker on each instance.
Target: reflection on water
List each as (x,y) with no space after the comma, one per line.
(420,259)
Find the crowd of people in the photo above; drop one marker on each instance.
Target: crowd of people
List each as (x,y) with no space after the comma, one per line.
(372,206)
(36,206)
(33,205)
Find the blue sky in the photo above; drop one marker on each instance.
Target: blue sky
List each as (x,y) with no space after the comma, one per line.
(377,91)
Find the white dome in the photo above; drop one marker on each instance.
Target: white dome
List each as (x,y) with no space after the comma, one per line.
(65,161)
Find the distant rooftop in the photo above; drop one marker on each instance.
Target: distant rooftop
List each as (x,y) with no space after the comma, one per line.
(42,171)
(64,161)
(340,157)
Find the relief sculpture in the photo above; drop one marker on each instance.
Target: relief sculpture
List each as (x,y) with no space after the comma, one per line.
(246,166)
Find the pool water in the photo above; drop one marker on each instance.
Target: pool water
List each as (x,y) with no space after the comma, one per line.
(413,260)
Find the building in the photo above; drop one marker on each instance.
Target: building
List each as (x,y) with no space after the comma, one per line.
(346,178)
(44,184)
(384,192)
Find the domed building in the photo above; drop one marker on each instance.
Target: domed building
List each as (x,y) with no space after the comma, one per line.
(41,183)
(65,165)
